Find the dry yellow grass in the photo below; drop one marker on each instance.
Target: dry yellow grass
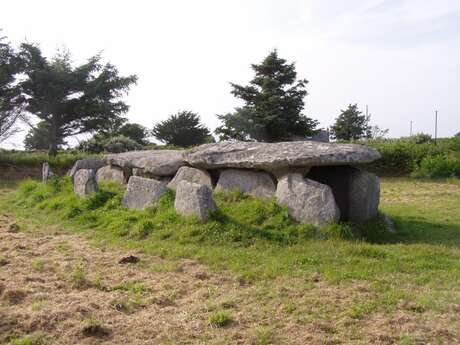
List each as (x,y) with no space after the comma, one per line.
(82,295)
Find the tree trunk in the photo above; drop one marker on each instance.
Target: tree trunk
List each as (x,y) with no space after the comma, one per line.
(52,150)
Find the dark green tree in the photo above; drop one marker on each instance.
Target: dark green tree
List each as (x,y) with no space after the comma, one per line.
(134,131)
(37,138)
(72,99)
(351,124)
(274,101)
(182,129)
(10,100)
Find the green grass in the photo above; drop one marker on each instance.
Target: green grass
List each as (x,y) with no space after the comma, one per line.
(38,265)
(30,340)
(258,242)
(220,319)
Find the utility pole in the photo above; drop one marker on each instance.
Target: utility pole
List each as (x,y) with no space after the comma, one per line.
(435,126)
(410,128)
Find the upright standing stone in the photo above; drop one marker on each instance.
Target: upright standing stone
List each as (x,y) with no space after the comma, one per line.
(110,173)
(255,183)
(193,199)
(84,182)
(356,192)
(308,201)
(364,196)
(46,172)
(142,192)
(191,175)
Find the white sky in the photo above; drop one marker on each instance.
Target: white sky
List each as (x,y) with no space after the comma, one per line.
(401,57)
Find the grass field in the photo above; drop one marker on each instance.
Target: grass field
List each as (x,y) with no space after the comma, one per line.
(274,282)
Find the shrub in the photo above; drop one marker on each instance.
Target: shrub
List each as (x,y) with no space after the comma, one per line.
(121,143)
(420,138)
(93,145)
(440,166)
(404,156)
(116,144)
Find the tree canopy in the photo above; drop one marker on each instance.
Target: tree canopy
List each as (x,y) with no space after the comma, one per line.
(10,100)
(72,99)
(351,124)
(274,101)
(183,129)
(37,138)
(134,131)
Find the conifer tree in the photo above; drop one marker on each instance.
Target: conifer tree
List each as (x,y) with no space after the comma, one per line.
(274,101)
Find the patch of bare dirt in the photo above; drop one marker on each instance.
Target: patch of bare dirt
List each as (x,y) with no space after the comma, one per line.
(57,284)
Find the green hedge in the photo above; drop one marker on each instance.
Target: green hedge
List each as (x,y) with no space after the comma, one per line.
(64,159)
(425,159)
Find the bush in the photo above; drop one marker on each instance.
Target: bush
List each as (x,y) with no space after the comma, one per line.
(121,144)
(116,144)
(420,138)
(438,167)
(404,156)
(93,145)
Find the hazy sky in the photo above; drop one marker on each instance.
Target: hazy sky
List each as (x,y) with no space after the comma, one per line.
(401,57)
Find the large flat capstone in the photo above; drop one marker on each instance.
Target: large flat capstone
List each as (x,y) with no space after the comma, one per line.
(155,162)
(90,164)
(274,156)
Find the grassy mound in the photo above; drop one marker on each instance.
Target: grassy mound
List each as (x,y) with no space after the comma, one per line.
(243,234)
(241,220)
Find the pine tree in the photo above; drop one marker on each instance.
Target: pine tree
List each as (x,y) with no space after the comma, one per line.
(72,99)
(10,100)
(134,131)
(351,124)
(274,101)
(182,129)
(37,138)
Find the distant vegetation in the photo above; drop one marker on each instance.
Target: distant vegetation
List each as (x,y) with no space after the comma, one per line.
(419,156)
(70,99)
(64,160)
(183,129)
(352,124)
